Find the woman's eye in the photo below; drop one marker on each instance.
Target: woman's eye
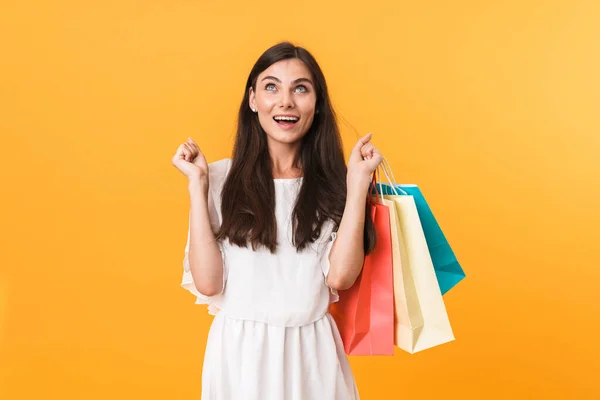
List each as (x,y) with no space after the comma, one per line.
(300,88)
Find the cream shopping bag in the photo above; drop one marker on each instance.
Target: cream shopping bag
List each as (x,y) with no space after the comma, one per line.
(421,320)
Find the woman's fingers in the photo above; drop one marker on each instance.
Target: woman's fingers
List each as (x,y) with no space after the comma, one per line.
(187,151)
(362,141)
(193,147)
(365,147)
(356,154)
(374,160)
(367,150)
(180,153)
(193,151)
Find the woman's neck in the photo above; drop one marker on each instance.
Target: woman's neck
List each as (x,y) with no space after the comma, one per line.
(286,164)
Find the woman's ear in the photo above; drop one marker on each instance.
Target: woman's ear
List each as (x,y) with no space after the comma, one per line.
(252,99)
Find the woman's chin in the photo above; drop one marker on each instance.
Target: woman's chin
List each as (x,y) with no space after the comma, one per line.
(287,137)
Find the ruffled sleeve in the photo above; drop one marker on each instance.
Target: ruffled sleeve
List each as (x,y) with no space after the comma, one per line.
(325,265)
(217,174)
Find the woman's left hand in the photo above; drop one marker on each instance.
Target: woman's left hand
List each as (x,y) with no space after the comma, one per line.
(364,160)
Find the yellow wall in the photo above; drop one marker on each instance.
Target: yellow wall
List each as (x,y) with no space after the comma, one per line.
(491,107)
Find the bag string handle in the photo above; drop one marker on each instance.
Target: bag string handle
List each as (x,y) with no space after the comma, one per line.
(373,184)
(387,171)
(386,168)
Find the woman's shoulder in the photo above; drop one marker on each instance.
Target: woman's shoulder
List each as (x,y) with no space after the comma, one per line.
(218,170)
(220,165)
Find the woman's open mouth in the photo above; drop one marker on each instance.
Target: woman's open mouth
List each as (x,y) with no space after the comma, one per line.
(286,121)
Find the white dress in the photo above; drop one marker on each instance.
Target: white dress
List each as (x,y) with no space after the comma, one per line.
(272,337)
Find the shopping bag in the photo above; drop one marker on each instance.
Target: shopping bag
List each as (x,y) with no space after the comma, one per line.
(364,313)
(447,268)
(421,320)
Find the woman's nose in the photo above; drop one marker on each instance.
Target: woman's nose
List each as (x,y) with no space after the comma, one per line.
(286,100)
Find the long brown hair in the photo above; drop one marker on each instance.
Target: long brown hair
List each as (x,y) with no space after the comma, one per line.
(248,196)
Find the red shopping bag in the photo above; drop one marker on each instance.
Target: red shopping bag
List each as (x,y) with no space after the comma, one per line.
(364,313)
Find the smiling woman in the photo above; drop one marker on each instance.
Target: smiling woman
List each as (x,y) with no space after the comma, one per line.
(262,227)
(285,83)
(286,95)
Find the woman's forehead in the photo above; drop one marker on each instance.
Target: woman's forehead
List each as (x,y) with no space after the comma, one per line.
(287,70)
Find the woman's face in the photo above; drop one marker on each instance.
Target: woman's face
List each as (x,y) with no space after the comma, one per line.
(285,100)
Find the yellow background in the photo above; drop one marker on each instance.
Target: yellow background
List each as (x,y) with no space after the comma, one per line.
(490,106)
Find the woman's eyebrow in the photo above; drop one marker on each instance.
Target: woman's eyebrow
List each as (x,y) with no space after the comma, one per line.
(293,82)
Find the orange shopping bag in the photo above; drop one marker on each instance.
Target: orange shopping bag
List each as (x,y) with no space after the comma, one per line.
(364,313)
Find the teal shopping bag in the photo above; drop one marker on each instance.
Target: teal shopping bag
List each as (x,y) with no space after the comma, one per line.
(447,269)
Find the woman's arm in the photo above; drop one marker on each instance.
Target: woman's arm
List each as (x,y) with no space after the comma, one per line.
(206,261)
(347,254)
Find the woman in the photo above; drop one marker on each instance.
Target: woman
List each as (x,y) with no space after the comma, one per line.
(274,233)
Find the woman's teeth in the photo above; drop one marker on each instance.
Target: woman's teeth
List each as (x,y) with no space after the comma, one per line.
(285,119)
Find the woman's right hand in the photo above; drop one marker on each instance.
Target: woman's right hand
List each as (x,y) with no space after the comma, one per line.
(190,161)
